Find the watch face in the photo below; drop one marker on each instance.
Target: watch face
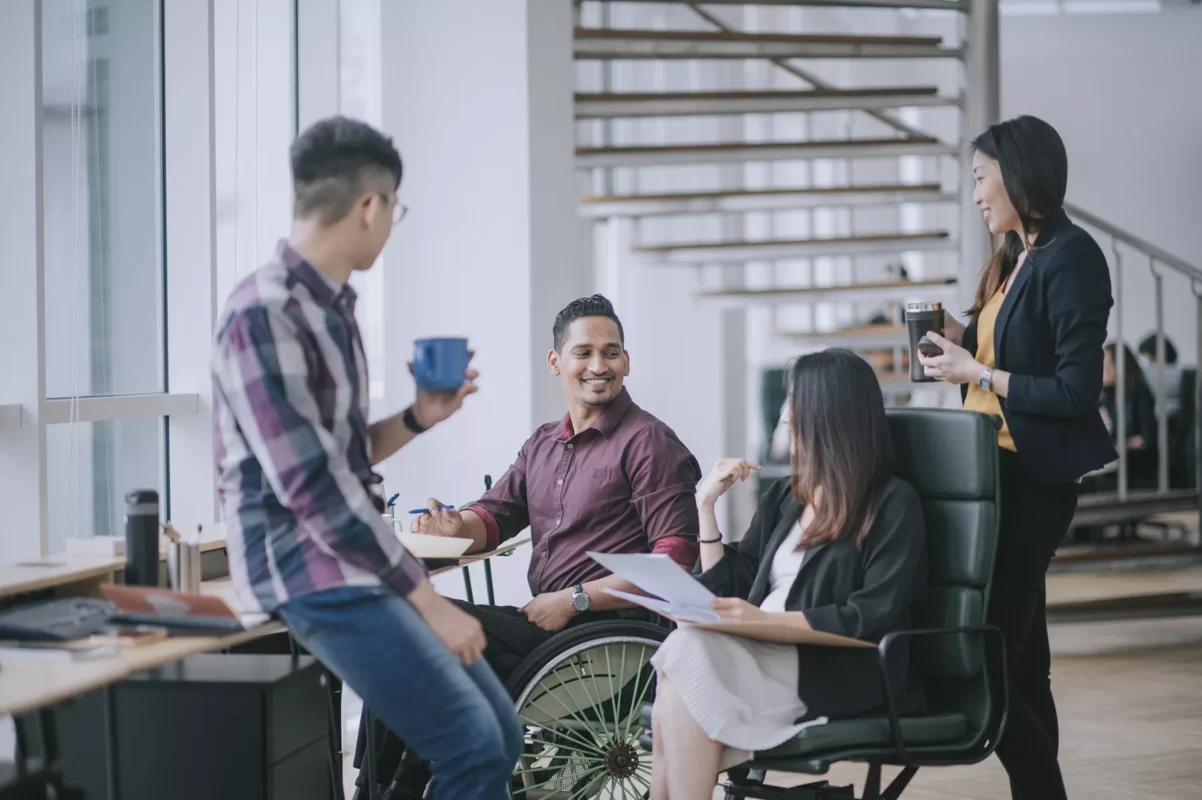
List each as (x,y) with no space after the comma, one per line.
(580,602)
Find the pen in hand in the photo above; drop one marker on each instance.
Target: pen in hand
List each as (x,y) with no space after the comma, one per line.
(427,511)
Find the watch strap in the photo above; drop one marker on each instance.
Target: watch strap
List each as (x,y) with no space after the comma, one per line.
(578,592)
(410,420)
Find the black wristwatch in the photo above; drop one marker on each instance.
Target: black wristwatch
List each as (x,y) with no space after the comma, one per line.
(410,420)
(580,600)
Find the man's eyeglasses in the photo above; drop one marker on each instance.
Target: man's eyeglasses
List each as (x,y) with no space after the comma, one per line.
(399,209)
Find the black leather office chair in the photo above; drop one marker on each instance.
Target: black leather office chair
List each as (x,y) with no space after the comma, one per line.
(950,457)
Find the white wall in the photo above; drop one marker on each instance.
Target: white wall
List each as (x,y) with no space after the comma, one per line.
(1124,92)
(478,100)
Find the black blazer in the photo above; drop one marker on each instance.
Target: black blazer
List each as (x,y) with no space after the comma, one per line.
(1049,335)
(844,590)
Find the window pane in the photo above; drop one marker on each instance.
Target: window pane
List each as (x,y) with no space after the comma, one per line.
(102,197)
(359,97)
(90,466)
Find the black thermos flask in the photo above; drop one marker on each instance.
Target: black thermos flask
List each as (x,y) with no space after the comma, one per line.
(142,538)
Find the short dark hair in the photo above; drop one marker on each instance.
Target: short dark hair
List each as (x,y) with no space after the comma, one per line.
(334,162)
(1133,375)
(1147,348)
(595,306)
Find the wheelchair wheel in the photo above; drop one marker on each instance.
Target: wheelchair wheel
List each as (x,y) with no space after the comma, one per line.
(580,697)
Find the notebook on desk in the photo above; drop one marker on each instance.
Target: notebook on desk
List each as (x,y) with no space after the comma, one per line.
(195,613)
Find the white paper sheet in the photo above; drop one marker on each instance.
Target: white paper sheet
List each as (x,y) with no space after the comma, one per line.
(658,575)
(678,613)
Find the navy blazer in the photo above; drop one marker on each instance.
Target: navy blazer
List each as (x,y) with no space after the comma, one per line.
(844,589)
(1049,336)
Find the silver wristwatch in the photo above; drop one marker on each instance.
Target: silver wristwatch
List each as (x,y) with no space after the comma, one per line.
(986,381)
(580,600)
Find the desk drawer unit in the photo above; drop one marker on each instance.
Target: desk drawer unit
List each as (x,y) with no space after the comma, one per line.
(253,727)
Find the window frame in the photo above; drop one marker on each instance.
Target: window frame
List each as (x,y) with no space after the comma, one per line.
(188,246)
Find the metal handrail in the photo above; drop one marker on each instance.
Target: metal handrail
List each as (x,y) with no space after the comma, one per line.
(1158,254)
(1157,257)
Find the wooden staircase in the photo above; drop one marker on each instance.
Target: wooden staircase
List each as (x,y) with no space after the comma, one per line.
(858,292)
(676,104)
(736,152)
(737,201)
(612,44)
(771,250)
(803,245)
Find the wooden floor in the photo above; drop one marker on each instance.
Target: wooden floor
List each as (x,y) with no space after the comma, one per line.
(1130,701)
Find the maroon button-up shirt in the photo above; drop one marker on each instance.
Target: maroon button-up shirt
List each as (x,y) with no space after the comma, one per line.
(625,484)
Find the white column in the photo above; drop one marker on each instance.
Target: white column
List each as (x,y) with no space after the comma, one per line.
(982,108)
(318,72)
(192,301)
(478,97)
(22,286)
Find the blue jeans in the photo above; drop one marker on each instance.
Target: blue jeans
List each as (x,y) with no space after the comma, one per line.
(459,720)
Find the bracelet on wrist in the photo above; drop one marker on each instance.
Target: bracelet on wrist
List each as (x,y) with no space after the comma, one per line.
(710,541)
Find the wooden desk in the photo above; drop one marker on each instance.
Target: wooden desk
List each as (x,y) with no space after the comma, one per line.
(473,558)
(30,683)
(66,571)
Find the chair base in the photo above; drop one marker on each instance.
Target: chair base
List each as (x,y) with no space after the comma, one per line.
(752,788)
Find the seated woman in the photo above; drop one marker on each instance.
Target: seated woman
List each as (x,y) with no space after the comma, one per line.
(839,547)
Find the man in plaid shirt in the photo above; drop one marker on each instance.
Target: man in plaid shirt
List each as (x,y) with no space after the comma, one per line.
(294,456)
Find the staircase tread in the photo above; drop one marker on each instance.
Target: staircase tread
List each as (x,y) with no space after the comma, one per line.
(1134,496)
(716,195)
(871,285)
(792,94)
(711,148)
(865,331)
(864,238)
(743,36)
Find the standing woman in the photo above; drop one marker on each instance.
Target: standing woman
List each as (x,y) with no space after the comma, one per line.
(1032,354)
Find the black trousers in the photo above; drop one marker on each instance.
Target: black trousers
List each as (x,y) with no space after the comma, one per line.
(1034,520)
(510,639)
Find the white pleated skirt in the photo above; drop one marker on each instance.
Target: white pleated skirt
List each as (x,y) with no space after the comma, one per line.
(742,692)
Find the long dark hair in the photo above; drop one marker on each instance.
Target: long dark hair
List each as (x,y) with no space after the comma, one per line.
(1034,169)
(841,444)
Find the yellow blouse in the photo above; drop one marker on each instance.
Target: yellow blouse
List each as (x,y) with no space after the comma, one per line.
(977,398)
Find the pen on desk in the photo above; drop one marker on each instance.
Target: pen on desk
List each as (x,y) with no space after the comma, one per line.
(427,511)
(392,500)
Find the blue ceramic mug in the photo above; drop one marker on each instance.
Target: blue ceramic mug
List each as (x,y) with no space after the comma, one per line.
(440,365)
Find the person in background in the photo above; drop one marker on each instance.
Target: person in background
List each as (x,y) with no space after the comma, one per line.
(1172,372)
(294,457)
(1140,415)
(608,477)
(1032,355)
(839,546)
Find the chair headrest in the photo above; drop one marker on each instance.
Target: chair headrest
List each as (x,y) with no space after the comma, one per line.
(945,453)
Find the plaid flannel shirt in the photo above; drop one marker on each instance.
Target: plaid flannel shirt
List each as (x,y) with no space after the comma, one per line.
(291,441)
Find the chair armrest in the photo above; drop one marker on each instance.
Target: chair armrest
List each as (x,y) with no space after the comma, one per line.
(891,705)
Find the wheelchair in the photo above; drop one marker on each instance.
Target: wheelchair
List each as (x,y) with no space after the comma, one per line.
(578,696)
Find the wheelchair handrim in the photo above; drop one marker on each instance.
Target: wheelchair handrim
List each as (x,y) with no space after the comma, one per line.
(595,745)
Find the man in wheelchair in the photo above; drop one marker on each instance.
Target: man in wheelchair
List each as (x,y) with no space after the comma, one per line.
(608,477)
